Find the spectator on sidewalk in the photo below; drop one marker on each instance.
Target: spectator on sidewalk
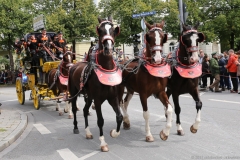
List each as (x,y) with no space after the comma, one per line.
(205,71)
(226,74)
(214,67)
(232,69)
(222,64)
(201,55)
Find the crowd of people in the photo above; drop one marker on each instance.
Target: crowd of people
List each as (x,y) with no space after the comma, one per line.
(222,69)
(4,77)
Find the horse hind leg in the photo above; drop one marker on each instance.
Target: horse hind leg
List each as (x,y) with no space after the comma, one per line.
(68,108)
(124,106)
(58,108)
(169,109)
(88,102)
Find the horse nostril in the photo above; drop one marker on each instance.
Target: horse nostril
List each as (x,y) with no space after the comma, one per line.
(105,48)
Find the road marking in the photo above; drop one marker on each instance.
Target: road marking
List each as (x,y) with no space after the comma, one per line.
(224,101)
(10,100)
(66,154)
(159,116)
(41,128)
(88,155)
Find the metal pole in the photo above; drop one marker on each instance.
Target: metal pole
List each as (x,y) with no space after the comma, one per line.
(180,13)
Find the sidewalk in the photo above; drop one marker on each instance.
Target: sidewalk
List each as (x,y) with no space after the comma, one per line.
(12,125)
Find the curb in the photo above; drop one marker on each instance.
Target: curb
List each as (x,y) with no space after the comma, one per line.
(16,133)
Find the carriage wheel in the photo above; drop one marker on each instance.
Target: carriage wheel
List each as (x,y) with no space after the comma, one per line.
(20,91)
(36,98)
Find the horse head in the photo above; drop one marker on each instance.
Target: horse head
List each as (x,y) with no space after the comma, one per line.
(189,39)
(107,34)
(154,39)
(68,58)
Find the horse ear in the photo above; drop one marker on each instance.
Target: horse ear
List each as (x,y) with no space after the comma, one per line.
(148,25)
(162,23)
(110,18)
(165,38)
(201,37)
(184,27)
(117,31)
(196,26)
(99,20)
(97,30)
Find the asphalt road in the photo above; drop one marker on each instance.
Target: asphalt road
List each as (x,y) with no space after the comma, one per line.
(50,136)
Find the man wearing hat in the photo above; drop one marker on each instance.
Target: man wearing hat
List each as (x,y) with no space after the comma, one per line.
(44,40)
(214,67)
(60,45)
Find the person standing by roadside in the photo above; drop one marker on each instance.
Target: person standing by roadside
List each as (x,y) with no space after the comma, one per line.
(214,67)
(222,64)
(226,74)
(232,69)
(205,71)
(201,55)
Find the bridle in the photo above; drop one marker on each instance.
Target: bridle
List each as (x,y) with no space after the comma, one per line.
(105,37)
(192,48)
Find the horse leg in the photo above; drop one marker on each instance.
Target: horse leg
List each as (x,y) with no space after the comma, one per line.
(169,93)
(100,122)
(169,109)
(74,110)
(86,113)
(177,112)
(68,108)
(143,98)
(119,118)
(195,96)
(124,106)
(58,108)
(78,107)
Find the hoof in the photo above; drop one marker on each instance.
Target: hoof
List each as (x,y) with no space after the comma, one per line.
(163,136)
(60,113)
(193,130)
(93,107)
(126,126)
(57,109)
(70,116)
(75,131)
(149,139)
(89,136)
(114,133)
(104,148)
(65,111)
(180,133)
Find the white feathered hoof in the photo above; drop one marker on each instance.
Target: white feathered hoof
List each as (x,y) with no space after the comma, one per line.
(70,116)
(57,109)
(149,138)
(104,148)
(60,113)
(65,111)
(89,136)
(193,130)
(163,136)
(114,134)
(180,133)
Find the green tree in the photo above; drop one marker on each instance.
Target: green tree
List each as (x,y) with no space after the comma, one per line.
(14,21)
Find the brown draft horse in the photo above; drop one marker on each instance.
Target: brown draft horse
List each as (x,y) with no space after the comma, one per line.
(92,88)
(146,84)
(187,60)
(57,78)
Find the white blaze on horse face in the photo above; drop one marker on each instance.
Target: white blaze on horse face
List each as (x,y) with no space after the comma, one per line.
(157,56)
(107,27)
(194,56)
(69,58)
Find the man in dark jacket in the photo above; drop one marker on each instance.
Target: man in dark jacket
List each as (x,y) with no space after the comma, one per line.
(223,70)
(214,67)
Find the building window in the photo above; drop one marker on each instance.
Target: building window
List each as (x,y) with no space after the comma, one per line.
(171,46)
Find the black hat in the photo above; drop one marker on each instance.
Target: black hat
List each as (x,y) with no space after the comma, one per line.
(213,53)
(59,32)
(44,29)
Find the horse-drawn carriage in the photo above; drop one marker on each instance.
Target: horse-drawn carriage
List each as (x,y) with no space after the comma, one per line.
(36,77)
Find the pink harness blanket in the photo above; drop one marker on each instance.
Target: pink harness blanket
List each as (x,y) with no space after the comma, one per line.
(192,71)
(109,78)
(63,80)
(163,70)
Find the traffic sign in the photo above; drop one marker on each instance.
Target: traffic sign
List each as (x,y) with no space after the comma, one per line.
(143,14)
